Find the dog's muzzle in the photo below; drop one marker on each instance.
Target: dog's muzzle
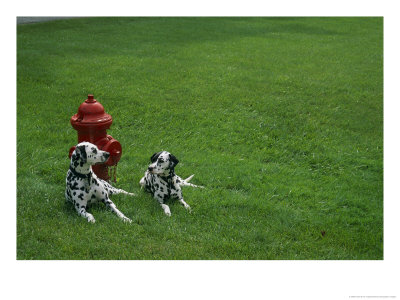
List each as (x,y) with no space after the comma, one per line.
(106,155)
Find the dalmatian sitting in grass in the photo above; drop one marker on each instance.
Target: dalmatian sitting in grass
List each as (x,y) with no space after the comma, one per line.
(161,181)
(84,187)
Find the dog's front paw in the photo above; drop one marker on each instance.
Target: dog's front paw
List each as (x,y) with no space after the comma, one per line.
(188,208)
(126,220)
(131,194)
(166,209)
(91,219)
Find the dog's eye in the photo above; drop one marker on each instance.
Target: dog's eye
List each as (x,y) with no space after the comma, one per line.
(94,150)
(161,160)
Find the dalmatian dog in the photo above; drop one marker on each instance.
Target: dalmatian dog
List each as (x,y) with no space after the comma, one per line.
(162,182)
(84,187)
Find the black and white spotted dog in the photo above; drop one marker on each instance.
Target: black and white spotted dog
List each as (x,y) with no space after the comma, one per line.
(84,187)
(160,180)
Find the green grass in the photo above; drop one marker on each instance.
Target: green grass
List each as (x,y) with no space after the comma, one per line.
(280,118)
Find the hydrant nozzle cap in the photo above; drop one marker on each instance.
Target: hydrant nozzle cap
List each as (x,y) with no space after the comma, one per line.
(90,99)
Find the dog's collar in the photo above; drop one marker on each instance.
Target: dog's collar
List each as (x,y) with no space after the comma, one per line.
(80,175)
(167,178)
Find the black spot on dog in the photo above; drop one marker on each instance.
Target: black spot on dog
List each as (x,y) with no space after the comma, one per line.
(154,157)
(82,150)
(106,201)
(74,186)
(174,160)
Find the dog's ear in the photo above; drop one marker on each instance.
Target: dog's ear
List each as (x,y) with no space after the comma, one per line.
(174,160)
(154,157)
(75,155)
(81,153)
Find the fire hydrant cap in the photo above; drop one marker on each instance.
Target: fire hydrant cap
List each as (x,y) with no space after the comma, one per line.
(91,113)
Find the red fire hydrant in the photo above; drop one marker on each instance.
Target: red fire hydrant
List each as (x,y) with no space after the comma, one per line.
(92,123)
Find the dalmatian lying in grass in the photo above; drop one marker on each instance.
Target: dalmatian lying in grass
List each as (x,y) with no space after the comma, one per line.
(161,181)
(84,187)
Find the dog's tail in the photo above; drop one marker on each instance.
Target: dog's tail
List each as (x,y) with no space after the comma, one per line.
(185,182)
(189,178)
(115,191)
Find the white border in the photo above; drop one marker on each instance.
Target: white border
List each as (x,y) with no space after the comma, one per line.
(200,279)
(202,8)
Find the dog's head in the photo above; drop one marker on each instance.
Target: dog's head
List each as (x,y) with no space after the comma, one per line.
(162,163)
(88,153)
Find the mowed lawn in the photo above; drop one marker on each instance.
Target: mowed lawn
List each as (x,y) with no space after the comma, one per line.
(281,119)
